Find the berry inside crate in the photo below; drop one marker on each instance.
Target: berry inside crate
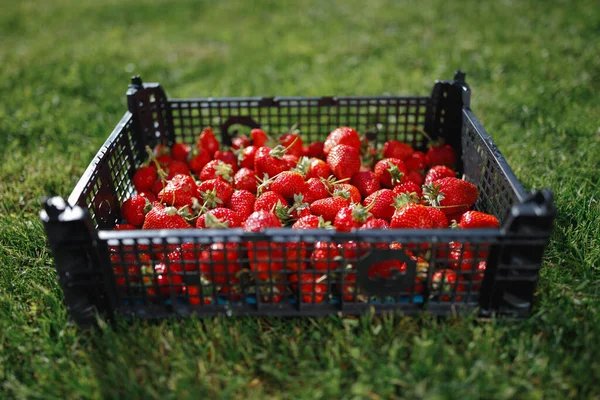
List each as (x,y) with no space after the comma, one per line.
(288,272)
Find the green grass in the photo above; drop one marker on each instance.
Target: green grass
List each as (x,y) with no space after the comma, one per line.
(534,68)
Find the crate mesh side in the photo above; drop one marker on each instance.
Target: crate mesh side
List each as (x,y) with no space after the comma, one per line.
(390,118)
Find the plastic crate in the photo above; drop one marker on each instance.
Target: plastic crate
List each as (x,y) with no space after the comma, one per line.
(82,242)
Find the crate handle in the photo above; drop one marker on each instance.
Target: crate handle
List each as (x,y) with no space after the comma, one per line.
(227,136)
(390,286)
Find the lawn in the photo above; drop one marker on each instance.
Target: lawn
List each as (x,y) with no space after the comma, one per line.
(534,69)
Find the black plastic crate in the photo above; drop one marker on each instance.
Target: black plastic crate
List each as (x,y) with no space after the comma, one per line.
(110,272)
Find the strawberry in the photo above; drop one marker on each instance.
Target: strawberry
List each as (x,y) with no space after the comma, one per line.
(198,159)
(438,172)
(240,142)
(477,219)
(294,255)
(311,222)
(183,258)
(441,155)
(259,137)
(166,277)
(314,190)
(161,150)
(228,157)
(144,178)
(478,277)
(242,202)
(179,191)
(123,227)
(259,220)
(445,282)
(315,149)
(148,195)
(350,251)
(158,186)
(461,260)
(438,217)
(415,177)
(381,204)
(287,184)
(164,161)
(219,218)
(208,141)
(220,263)
(246,157)
(217,169)
(343,135)
(375,223)
(351,217)
(417,161)
(347,192)
(395,149)
(194,297)
(299,208)
(325,257)
(390,171)
(131,265)
(328,207)
(412,216)
(344,161)
(177,168)
(133,210)
(386,269)
(180,151)
(452,194)
(245,179)
(270,161)
(215,192)
(350,292)
(366,182)
(160,217)
(311,288)
(318,169)
(269,293)
(294,144)
(268,200)
(408,188)
(266,259)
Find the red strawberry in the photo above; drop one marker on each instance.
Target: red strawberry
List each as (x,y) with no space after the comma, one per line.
(180,151)
(217,169)
(245,179)
(350,291)
(220,263)
(478,277)
(266,259)
(328,207)
(240,142)
(416,162)
(381,204)
(441,155)
(461,259)
(390,171)
(270,293)
(366,183)
(268,200)
(386,269)
(144,178)
(228,157)
(184,258)
(270,162)
(123,227)
(413,216)
(315,149)
(453,194)
(195,299)
(311,287)
(160,217)
(375,223)
(179,191)
(131,265)
(415,177)
(477,219)
(314,190)
(311,222)
(294,144)
(395,149)
(208,141)
(260,220)
(259,137)
(352,217)
(219,218)
(215,192)
(318,169)
(445,281)
(242,202)
(165,160)
(166,277)
(158,186)
(294,254)
(325,257)
(161,150)
(344,161)
(148,195)
(347,192)
(177,168)
(133,210)
(350,251)
(246,157)
(408,188)
(299,208)
(198,159)
(438,217)
(287,184)
(343,135)
(438,172)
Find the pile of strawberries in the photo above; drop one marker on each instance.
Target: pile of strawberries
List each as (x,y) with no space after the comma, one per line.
(344,183)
